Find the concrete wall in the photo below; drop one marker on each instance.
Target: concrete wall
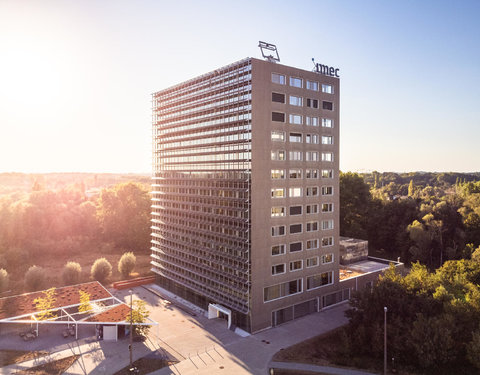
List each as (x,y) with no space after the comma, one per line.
(262,241)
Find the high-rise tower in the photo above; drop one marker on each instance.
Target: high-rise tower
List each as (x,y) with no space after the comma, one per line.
(245,204)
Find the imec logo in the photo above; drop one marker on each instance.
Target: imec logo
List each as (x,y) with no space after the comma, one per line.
(326,70)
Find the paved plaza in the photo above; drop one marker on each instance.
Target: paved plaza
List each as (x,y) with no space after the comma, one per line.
(201,346)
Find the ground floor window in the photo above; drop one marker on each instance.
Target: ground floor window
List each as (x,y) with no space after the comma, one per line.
(294,312)
(336,297)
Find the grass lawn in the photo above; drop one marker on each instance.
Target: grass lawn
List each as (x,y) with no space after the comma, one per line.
(53,266)
(9,357)
(57,367)
(318,350)
(322,351)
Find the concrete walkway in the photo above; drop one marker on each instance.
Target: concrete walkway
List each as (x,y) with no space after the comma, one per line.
(320,369)
(201,346)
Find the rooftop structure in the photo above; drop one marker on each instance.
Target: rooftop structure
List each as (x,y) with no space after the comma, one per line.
(104,308)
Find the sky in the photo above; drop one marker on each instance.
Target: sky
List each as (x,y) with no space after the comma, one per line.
(76,77)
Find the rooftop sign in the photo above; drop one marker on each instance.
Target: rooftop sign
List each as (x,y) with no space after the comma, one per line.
(325,70)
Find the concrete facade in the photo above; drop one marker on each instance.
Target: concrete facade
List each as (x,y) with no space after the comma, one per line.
(245,207)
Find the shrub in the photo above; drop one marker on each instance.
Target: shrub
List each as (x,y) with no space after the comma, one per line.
(4,280)
(34,278)
(71,273)
(101,270)
(126,264)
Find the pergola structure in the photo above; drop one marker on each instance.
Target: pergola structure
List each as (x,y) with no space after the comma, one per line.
(102,308)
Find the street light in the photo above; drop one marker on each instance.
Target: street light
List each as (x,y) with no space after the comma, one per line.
(385,342)
(131,332)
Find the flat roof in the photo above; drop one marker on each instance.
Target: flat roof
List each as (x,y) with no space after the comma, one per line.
(117,314)
(365,266)
(24,304)
(361,267)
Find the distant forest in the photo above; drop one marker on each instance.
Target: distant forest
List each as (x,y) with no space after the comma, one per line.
(426,217)
(48,219)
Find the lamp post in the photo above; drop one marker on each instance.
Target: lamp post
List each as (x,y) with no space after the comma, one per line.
(385,342)
(131,332)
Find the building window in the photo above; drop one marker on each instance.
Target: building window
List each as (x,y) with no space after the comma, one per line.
(327,241)
(327,123)
(311,121)
(312,262)
(327,140)
(312,103)
(295,137)
(278,250)
(295,100)
(278,269)
(312,85)
(295,246)
(278,98)
(296,265)
(312,226)
(312,191)
(321,279)
(312,209)
(278,116)
(295,192)
(278,193)
(278,136)
(312,244)
(278,155)
(311,156)
(296,82)
(327,173)
(278,78)
(295,173)
(278,211)
(327,156)
(278,230)
(311,138)
(327,207)
(311,173)
(327,190)
(327,224)
(327,258)
(278,174)
(286,289)
(295,228)
(295,210)
(295,119)
(296,155)
(327,105)
(328,89)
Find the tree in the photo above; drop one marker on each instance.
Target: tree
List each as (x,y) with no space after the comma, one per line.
(45,304)
(4,280)
(354,203)
(473,349)
(476,255)
(431,318)
(411,189)
(71,273)
(124,215)
(101,270)
(85,305)
(139,314)
(126,264)
(35,278)
(433,342)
